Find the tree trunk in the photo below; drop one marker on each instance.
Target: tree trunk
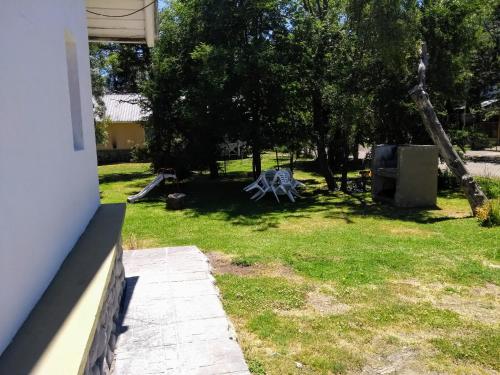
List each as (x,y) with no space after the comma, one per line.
(214,169)
(324,167)
(318,123)
(345,160)
(335,152)
(471,189)
(343,181)
(256,162)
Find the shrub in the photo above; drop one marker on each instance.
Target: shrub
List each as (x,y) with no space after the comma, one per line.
(479,141)
(489,214)
(495,213)
(447,180)
(140,154)
(460,138)
(101,131)
(112,156)
(490,186)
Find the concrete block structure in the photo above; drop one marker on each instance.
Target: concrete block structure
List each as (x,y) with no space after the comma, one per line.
(405,175)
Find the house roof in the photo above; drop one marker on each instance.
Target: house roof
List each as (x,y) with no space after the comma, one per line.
(125,21)
(124,107)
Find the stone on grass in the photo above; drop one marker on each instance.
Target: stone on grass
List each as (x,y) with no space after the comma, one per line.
(176,201)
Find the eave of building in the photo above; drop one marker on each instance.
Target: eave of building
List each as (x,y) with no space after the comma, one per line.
(140,27)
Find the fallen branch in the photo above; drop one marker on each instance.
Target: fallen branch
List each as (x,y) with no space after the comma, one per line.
(472,191)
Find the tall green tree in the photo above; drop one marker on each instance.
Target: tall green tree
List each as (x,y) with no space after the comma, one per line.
(164,92)
(257,75)
(317,33)
(280,73)
(127,66)
(97,65)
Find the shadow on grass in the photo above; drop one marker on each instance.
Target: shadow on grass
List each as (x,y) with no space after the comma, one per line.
(308,166)
(451,194)
(123,177)
(226,198)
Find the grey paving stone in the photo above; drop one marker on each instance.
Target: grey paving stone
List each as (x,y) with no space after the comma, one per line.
(192,288)
(205,329)
(173,320)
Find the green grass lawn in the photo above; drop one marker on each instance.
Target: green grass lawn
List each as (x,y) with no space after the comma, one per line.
(333,283)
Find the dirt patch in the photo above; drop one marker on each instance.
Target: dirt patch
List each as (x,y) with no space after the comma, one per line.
(492,265)
(318,303)
(483,311)
(224,264)
(403,361)
(489,289)
(476,303)
(414,291)
(392,353)
(279,270)
(326,305)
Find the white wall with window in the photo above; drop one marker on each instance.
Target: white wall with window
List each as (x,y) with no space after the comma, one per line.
(48,181)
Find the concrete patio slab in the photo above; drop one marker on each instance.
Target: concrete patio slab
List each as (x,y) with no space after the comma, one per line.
(173,321)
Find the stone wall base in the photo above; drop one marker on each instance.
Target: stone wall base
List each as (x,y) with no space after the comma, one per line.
(100,359)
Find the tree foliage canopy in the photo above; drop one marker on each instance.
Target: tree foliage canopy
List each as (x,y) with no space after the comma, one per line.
(290,73)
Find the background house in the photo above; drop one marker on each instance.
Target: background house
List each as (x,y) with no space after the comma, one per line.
(492,125)
(48,175)
(124,126)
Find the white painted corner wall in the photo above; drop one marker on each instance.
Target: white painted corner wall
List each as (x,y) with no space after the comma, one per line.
(48,191)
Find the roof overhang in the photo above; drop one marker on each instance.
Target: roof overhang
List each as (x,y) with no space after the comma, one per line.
(139,27)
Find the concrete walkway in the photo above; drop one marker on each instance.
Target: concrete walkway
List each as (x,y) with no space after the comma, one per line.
(483,169)
(173,321)
(479,169)
(483,154)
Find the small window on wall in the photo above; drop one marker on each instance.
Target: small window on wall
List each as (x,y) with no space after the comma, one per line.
(74,91)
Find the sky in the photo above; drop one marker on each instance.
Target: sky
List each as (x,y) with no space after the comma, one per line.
(162,4)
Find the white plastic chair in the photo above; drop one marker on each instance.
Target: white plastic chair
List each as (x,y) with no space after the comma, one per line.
(264,184)
(282,183)
(295,183)
(253,185)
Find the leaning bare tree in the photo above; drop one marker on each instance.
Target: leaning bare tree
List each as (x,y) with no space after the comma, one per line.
(470,187)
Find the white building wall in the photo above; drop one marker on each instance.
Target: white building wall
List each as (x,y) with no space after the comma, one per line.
(48,191)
